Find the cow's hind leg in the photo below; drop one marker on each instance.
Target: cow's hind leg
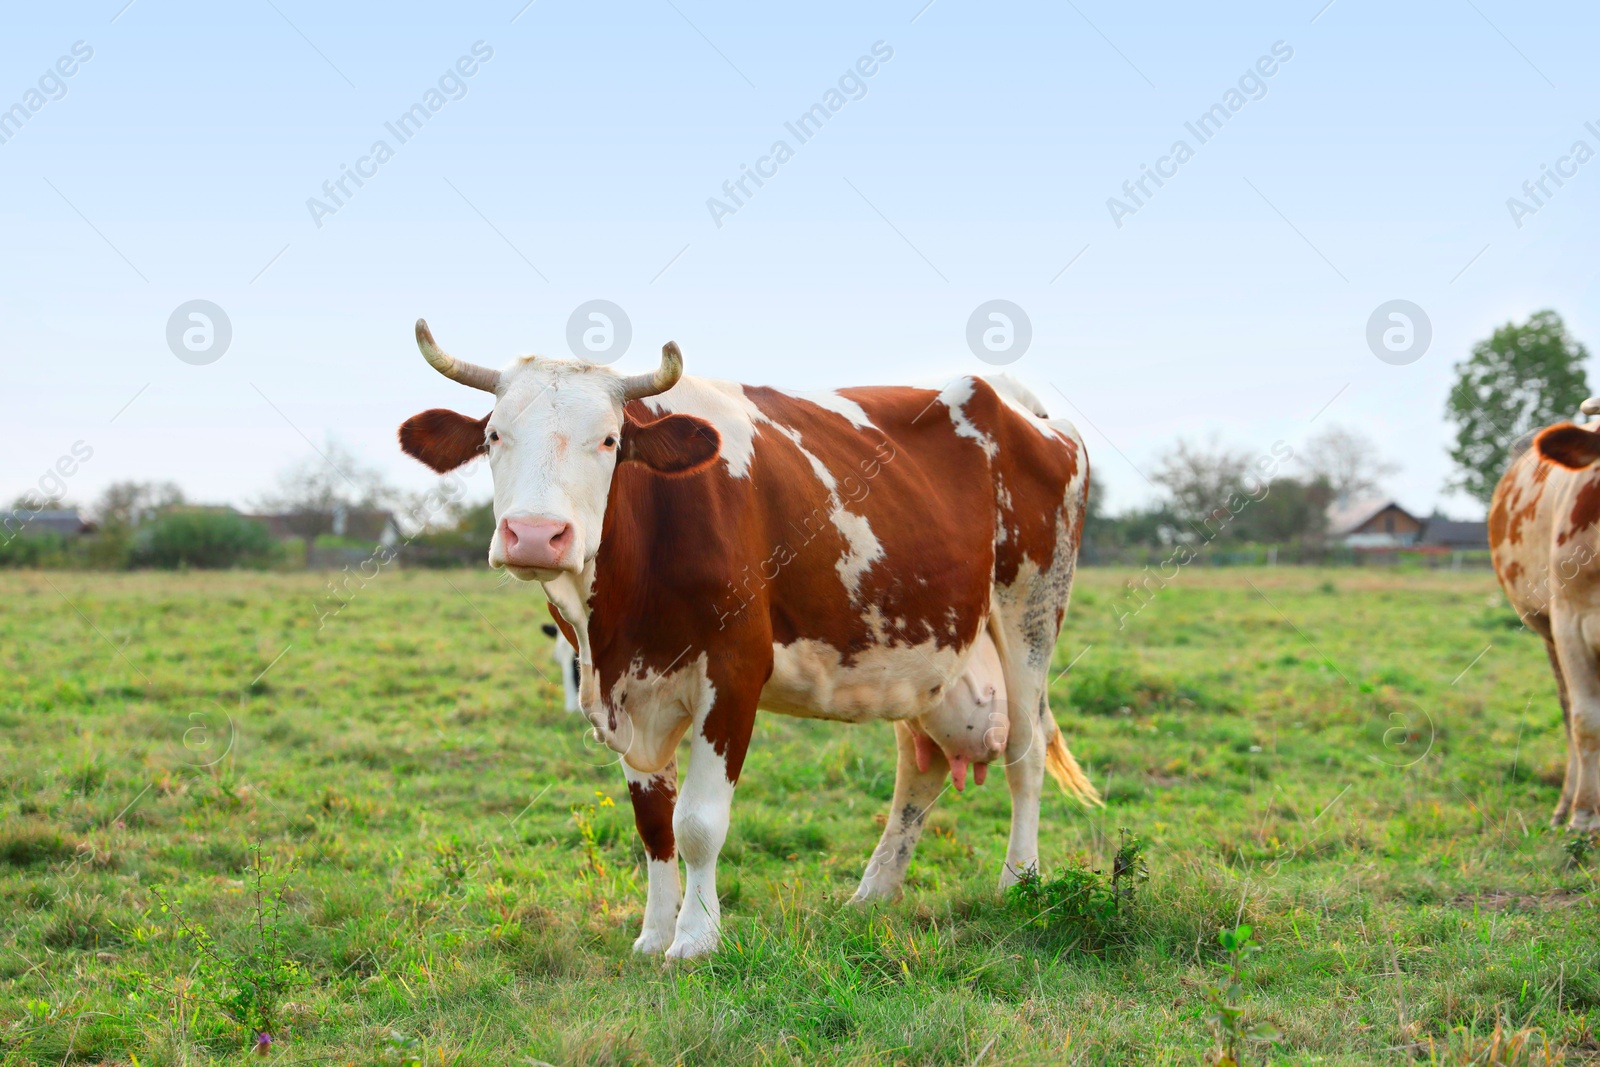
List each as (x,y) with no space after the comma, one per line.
(914,794)
(1034,745)
(1580,667)
(1569,784)
(653,797)
(1025,765)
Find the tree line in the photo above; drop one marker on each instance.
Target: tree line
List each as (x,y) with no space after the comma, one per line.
(1522,377)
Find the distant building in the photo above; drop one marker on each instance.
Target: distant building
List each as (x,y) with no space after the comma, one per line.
(366,524)
(1443,533)
(375,526)
(63,522)
(1372,524)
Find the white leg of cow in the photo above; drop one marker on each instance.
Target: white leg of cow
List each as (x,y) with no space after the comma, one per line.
(653,798)
(914,794)
(660,908)
(700,825)
(1581,668)
(1570,783)
(1025,751)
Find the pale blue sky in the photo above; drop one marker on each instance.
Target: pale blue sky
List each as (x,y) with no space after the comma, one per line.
(578,165)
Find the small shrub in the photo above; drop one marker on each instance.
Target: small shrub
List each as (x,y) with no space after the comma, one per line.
(248,985)
(1090,908)
(30,549)
(203,539)
(1228,1026)
(594,832)
(454,862)
(1579,847)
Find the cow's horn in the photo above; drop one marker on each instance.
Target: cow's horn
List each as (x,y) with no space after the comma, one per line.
(1590,406)
(637,386)
(457,370)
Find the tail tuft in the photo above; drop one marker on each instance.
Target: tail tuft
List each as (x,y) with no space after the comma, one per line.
(1068,775)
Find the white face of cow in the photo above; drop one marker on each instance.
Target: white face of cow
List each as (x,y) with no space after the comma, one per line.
(553,441)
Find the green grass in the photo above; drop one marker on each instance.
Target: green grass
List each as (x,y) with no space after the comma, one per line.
(1322,759)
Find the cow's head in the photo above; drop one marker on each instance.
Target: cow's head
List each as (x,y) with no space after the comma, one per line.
(556,435)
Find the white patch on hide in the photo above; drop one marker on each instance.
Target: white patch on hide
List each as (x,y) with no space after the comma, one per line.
(839,405)
(955,396)
(810,680)
(724,405)
(653,709)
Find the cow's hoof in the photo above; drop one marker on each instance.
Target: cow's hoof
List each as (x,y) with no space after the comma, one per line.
(871,894)
(1563,811)
(692,948)
(650,943)
(1584,822)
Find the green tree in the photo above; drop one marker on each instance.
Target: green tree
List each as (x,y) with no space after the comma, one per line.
(1291,511)
(119,512)
(1522,378)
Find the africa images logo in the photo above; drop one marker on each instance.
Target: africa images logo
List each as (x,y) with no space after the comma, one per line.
(51,86)
(1252,85)
(851,85)
(452,85)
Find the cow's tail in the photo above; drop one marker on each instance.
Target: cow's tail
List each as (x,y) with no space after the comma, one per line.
(1064,768)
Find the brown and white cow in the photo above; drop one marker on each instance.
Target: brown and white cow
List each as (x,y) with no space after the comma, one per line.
(1544,534)
(710,547)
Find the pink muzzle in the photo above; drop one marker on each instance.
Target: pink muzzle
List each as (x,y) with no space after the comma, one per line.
(541,543)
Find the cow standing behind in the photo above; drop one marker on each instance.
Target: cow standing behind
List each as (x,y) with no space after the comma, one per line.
(566,658)
(709,547)
(1544,536)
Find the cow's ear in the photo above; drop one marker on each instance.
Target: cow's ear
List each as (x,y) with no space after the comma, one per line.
(444,440)
(672,444)
(1570,446)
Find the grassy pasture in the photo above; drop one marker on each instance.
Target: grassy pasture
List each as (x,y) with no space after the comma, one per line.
(1360,764)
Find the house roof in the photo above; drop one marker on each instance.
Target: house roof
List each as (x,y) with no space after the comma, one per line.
(66,521)
(1351,516)
(1438,531)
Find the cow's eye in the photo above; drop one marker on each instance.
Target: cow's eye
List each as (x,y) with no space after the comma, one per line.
(494,436)
(609,442)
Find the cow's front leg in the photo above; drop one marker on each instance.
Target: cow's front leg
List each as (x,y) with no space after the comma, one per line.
(653,796)
(701,825)
(914,794)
